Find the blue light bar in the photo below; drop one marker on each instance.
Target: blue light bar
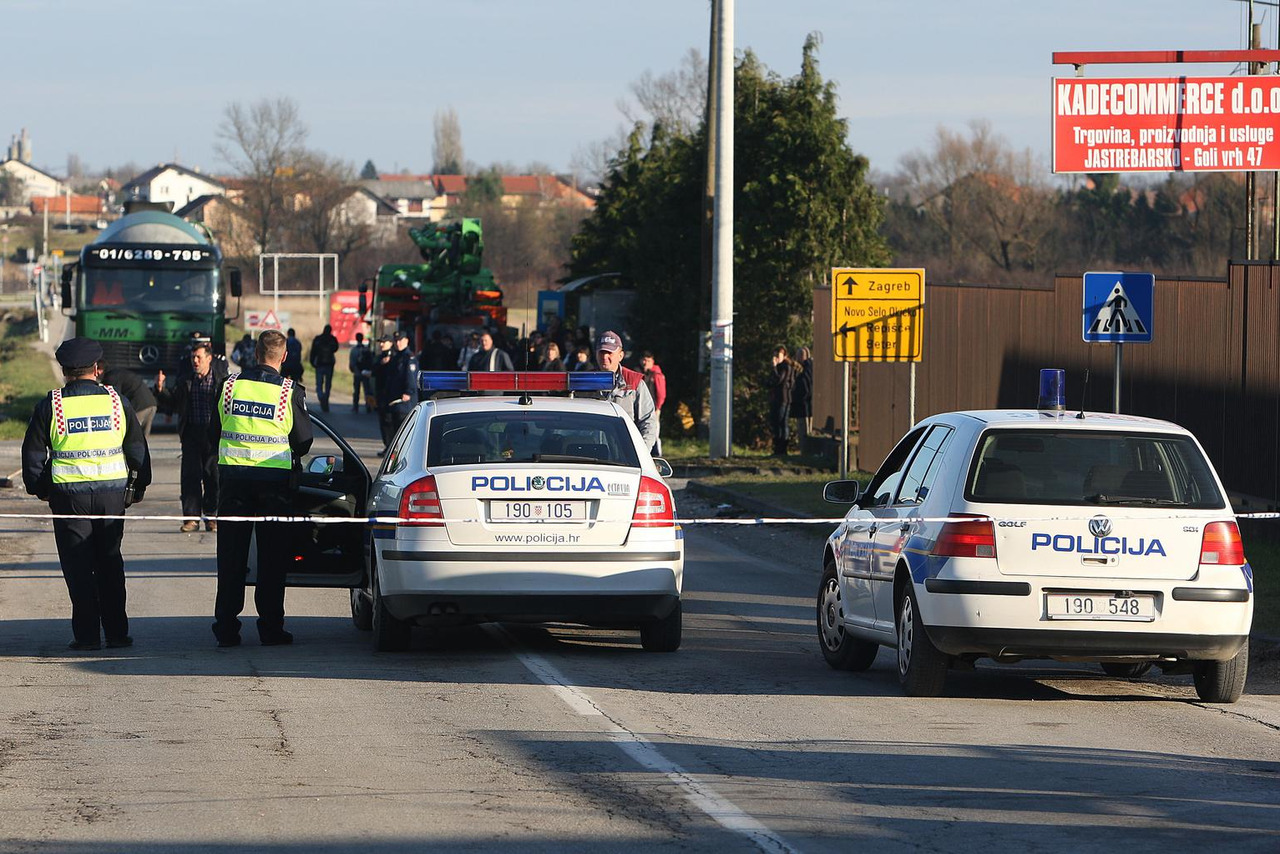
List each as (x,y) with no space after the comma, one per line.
(590,381)
(442,380)
(1053,389)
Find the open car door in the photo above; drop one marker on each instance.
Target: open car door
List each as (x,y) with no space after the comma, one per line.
(333,483)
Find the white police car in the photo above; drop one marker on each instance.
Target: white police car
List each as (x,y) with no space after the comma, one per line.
(520,508)
(1040,534)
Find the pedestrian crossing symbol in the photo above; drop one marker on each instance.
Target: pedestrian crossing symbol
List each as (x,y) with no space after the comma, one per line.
(1118,307)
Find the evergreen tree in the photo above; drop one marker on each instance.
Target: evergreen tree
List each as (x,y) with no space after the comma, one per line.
(369,172)
(803,205)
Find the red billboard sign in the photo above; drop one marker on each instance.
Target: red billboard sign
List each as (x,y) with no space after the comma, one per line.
(344,316)
(1166,124)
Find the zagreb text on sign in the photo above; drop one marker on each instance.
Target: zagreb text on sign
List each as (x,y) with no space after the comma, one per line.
(1165,124)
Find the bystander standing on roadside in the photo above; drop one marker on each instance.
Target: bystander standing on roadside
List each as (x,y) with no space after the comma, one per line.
(781,385)
(292,367)
(802,395)
(657,383)
(490,358)
(360,363)
(551,360)
(243,353)
(582,360)
(469,349)
(629,390)
(323,356)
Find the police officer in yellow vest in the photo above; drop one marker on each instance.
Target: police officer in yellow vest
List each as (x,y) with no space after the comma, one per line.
(262,430)
(82,444)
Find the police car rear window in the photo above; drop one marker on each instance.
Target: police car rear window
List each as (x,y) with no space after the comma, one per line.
(1088,467)
(464,438)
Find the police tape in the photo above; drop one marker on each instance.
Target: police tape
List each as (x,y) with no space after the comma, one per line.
(715,520)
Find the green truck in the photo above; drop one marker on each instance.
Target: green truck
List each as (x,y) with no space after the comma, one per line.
(148,282)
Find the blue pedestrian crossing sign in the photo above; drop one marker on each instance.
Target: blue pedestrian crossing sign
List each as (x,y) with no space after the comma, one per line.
(1118,307)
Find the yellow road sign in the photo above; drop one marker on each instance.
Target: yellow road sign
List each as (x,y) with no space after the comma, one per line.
(877,315)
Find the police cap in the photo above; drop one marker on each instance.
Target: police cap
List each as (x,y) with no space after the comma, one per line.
(78,353)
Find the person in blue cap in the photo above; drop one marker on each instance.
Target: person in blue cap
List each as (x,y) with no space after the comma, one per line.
(86,454)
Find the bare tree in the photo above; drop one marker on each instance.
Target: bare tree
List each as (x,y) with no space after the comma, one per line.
(322,214)
(676,99)
(446,154)
(264,144)
(991,203)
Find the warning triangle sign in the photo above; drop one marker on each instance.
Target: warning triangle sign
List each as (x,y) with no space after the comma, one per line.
(1117,316)
(270,321)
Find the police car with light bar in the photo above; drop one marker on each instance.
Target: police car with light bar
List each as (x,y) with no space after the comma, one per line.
(503,504)
(1040,534)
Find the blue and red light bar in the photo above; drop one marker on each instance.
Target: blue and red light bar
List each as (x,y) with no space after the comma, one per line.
(515,381)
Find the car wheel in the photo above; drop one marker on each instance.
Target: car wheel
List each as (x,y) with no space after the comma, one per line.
(1222,681)
(922,668)
(361,610)
(841,650)
(389,634)
(1126,671)
(662,635)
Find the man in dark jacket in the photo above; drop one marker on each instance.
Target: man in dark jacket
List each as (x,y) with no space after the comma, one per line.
(261,430)
(137,392)
(781,386)
(490,358)
(192,399)
(324,355)
(82,448)
(292,366)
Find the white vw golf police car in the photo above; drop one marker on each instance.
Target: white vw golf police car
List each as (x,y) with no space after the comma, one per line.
(524,508)
(1040,534)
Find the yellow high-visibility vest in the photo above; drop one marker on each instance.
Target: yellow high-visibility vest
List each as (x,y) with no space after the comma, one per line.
(256,418)
(86,434)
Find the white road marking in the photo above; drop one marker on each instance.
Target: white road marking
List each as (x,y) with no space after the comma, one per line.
(647,755)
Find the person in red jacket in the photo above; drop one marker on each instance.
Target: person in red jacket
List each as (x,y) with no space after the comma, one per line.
(657,383)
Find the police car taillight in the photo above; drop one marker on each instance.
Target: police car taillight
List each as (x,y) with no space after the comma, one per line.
(970,538)
(1221,543)
(515,381)
(420,503)
(654,508)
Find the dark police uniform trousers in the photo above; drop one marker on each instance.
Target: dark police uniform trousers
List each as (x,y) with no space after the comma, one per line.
(89,550)
(252,497)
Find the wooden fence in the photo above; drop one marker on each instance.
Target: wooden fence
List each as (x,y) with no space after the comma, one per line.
(1213,365)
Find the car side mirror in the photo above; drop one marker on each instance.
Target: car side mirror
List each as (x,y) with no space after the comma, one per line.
(664,467)
(842,491)
(324,464)
(364,298)
(233,279)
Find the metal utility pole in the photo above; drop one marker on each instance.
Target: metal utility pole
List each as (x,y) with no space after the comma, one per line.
(1251,177)
(722,260)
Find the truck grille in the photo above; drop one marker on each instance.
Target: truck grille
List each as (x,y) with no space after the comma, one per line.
(145,357)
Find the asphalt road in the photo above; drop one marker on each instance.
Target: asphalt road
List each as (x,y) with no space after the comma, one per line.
(556,738)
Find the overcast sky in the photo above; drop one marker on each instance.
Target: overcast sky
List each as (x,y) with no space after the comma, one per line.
(537,80)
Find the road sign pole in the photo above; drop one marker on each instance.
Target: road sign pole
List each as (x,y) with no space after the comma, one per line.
(1115,391)
(912,409)
(844,424)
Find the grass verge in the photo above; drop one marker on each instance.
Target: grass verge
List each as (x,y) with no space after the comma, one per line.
(1264,557)
(25,376)
(798,492)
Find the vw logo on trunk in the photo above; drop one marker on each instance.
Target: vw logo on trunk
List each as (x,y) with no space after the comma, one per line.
(1100,526)
(149,354)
